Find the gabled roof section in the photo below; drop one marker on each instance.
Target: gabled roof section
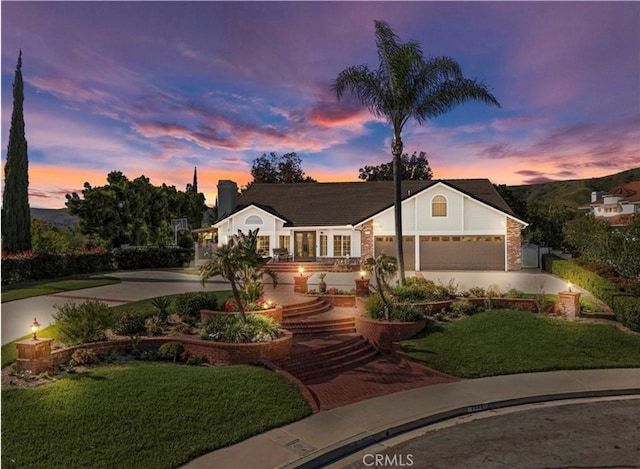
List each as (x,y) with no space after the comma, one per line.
(348,203)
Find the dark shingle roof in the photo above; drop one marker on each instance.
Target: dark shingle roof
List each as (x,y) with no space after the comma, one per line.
(349,203)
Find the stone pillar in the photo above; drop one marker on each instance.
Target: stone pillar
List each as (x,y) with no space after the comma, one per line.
(34,355)
(367,241)
(514,245)
(300,283)
(569,304)
(362,287)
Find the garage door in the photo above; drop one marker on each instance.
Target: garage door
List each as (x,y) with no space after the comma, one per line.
(387,245)
(462,252)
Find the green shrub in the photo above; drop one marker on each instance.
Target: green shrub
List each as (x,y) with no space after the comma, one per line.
(374,307)
(406,312)
(190,304)
(86,322)
(130,324)
(83,357)
(171,351)
(462,308)
(477,292)
(627,311)
(231,328)
(151,257)
(513,293)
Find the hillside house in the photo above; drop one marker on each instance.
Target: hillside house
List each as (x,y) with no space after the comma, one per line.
(617,206)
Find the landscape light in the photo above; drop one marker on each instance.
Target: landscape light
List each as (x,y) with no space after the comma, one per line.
(569,285)
(362,274)
(35,327)
(301,270)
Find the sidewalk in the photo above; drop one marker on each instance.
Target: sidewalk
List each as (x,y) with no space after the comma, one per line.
(321,438)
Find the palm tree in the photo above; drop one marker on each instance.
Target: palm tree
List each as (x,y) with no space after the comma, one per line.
(241,265)
(382,267)
(406,86)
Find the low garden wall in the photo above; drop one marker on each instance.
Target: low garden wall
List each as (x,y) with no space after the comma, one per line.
(382,334)
(215,352)
(342,301)
(527,304)
(273,313)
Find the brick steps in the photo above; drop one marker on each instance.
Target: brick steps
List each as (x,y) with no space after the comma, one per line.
(328,361)
(320,326)
(307,308)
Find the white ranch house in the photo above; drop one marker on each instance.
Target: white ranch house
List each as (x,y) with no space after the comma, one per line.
(460,224)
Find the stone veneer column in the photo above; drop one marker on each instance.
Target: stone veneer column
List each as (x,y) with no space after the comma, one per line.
(569,304)
(34,355)
(514,245)
(367,241)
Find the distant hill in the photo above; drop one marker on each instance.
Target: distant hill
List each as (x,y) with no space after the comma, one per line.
(574,193)
(54,216)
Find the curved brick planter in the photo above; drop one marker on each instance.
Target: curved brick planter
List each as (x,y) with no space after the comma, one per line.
(273,313)
(215,352)
(384,333)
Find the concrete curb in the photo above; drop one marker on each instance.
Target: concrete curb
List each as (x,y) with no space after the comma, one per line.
(338,451)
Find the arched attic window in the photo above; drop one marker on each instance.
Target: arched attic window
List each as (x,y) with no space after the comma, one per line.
(439,206)
(253,220)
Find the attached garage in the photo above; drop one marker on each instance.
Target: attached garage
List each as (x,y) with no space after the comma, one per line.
(387,245)
(462,253)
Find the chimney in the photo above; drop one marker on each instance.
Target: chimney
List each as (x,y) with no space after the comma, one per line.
(227,197)
(595,195)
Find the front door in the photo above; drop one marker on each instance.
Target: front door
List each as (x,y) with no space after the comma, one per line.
(305,246)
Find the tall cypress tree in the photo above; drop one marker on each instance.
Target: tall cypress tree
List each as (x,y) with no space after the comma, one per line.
(16,216)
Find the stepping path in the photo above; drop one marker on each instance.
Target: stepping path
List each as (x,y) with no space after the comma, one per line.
(336,364)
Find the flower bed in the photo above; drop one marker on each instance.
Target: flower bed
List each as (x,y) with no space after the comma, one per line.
(382,334)
(273,313)
(216,352)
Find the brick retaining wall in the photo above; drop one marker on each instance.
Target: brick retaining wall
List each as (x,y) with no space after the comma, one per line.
(215,352)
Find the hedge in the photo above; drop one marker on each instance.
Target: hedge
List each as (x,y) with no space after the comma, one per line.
(624,305)
(27,267)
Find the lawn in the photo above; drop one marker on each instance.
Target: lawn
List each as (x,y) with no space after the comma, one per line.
(503,342)
(142,415)
(57,286)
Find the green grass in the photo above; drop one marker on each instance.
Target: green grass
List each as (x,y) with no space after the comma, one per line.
(506,341)
(57,286)
(142,415)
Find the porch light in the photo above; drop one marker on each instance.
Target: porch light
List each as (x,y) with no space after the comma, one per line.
(35,327)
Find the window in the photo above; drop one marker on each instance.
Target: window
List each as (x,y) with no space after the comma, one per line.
(284,241)
(341,246)
(253,220)
(439,206)
(263,245)
(324,245)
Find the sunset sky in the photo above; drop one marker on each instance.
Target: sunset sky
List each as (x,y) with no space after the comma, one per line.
(158,88)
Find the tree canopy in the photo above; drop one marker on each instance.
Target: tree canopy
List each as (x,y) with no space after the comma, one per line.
(407,86)
(274,169)
(414,168)
(134,212)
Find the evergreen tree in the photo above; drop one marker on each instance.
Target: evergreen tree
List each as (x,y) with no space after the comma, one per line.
(16,215)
